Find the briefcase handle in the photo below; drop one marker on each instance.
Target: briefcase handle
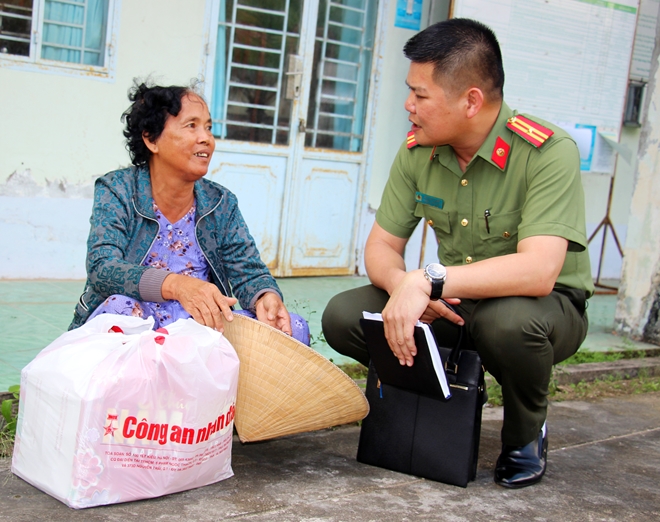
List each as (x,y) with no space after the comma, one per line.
(451,365)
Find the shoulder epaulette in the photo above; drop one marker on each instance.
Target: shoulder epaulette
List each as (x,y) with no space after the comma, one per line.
(529,130)
(410,140)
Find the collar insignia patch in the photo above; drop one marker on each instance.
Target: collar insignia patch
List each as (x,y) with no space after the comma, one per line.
(500,152)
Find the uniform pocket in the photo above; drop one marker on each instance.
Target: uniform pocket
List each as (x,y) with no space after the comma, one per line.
(439,221)
(436,218)
(499,233)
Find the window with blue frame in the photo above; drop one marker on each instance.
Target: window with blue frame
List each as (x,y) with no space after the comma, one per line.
(257,48)
(65,31)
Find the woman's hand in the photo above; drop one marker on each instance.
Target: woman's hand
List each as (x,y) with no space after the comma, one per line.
(271,310)
(202,300)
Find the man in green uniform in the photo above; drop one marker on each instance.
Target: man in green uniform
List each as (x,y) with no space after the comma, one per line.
(503,194)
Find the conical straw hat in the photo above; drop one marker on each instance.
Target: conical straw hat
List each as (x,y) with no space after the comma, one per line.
(285,387)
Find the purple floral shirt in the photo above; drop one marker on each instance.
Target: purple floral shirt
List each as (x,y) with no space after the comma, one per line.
(175,248)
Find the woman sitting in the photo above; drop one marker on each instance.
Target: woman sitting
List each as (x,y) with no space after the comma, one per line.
(167,243)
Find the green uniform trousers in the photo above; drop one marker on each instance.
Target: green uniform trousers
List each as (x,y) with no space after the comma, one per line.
(519,339)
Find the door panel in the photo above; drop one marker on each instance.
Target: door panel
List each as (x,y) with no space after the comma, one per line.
(259,186)
(326,202)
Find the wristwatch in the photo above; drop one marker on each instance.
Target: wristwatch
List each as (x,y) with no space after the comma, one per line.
(436,274)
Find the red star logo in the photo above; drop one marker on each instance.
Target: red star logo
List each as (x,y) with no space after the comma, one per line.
(109,430)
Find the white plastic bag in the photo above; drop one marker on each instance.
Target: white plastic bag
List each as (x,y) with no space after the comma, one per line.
(107,417)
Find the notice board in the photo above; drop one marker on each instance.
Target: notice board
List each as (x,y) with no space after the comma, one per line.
(566,61)
(640,67)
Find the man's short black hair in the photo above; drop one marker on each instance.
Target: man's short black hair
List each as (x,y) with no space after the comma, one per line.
(465,53)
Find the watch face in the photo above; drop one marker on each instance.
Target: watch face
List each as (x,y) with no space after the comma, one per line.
(436,271)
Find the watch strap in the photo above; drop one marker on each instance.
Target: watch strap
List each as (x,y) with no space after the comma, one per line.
(436,289)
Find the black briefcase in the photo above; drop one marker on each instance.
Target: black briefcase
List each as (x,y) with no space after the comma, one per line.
(427,437)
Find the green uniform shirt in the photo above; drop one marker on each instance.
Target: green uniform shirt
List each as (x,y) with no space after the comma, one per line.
(539,192)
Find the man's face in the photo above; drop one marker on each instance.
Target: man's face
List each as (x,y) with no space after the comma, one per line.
(435,115)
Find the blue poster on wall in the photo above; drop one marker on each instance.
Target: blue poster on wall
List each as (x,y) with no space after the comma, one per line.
(586,141)
(408,14)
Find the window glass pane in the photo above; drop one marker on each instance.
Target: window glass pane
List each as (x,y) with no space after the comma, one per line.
(74,31)
(15,27)
(96,26)
(255,38)
(273,5)
(65,12)
(342,65)
(248,76)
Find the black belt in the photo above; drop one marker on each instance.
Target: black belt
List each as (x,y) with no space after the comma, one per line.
(576,296)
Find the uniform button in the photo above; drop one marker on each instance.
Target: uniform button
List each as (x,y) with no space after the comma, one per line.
(464,222)
(430,222)
(506,235)
(464,182)
(169,227)
(468,259)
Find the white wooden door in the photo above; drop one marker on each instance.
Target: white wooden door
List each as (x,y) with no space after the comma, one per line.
(288,84)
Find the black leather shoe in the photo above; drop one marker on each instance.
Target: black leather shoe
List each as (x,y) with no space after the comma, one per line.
(520,466)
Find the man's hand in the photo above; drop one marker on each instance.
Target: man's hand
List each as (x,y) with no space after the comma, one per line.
(271,310)
(202,300)
(409,303)
(409,292)
(438,309)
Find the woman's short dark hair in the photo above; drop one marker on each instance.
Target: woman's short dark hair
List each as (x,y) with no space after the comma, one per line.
(151,105)
(463,52)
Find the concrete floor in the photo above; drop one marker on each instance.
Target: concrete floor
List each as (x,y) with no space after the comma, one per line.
(603,465)
(603,462)
(34,313)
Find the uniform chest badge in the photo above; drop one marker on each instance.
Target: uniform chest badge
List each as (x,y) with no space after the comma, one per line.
(500,153)
(529,130)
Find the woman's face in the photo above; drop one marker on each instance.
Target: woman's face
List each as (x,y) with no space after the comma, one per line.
(186,144)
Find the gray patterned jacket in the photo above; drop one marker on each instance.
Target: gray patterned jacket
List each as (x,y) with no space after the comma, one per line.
(124,226)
